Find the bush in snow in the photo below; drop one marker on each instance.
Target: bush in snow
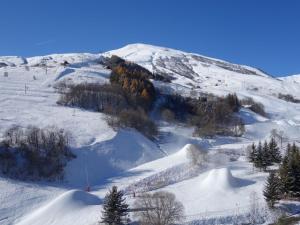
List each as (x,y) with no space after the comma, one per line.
(98,97)
(209,114)
(167,115)
(254,106)
(136,119)
(288,98)
(196,155)
(159,208)
(34,153)
(278,135)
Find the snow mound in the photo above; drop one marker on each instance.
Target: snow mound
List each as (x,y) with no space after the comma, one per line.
(104,159)
(63,208)
(184,151)
(178,157)
(220,179)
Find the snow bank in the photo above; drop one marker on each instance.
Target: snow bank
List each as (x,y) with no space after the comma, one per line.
(105,159)
(68,207)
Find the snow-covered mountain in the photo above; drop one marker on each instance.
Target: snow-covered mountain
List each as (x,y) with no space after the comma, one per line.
(192,71)
(125,157)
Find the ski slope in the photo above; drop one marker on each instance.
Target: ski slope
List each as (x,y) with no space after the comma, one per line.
(125,158)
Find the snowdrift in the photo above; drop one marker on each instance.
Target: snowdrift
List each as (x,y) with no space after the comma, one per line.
(66,208)
(109,158)
(164,163)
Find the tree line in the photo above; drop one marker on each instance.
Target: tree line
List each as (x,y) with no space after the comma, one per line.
(33,153)
(209,114)
(284,182)
(264,155)
(130,96)
(127,99)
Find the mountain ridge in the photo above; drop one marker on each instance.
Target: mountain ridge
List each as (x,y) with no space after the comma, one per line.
(20,60)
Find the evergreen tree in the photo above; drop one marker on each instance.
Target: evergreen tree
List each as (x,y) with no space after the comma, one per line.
(252,153)
(283,173)
(259,157)
(274,151)
(272,190)
(115,209)
(290,171)
(266,156)
(294,172)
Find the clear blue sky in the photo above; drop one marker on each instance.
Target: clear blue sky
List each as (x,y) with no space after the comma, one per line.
(261,33)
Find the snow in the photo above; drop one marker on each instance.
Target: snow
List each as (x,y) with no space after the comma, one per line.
(218,191)
(107,157)
(12,60)
(97,146)
(68,207)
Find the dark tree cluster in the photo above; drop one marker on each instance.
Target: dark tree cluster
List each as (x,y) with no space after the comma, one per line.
(289,172)
(129,87)
(254,106)
(128,98)
(137,119)
(264,155)
(34,153)
(135,84)
(114,62)
(210,115)
(102,98)
(288,98)
(285,183)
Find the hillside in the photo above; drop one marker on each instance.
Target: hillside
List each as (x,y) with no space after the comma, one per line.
(124,157)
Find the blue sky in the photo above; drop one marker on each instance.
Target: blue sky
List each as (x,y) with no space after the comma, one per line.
(260,33)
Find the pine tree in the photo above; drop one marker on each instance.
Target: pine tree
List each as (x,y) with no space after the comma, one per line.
(274,151)
(252,153)
(114,208)
(259,157)
(294,172)
(290,171)
(283,173)
(272,190)
(266,156)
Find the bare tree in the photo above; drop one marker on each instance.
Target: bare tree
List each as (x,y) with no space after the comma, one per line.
(196,155)
(257,213)
(160,208)
(278,135)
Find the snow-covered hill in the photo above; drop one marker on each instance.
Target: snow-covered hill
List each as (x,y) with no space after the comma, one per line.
(192,71)
(125,157)
(192,74)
